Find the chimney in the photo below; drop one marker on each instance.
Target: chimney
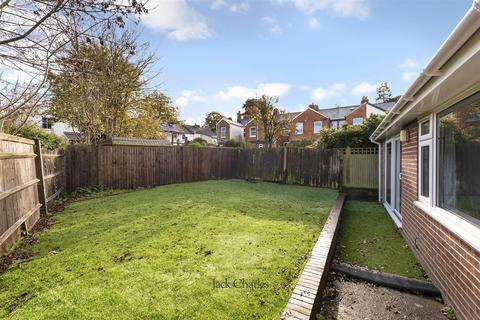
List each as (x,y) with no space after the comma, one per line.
(364,100)
(239,117)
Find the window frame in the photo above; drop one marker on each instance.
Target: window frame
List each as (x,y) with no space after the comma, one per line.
(423,141)
(223,132)
(314,127)
(459,225)
(253,135)
(358,124)
(298,133)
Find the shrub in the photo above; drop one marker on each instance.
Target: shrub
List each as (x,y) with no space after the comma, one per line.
(348,135)
(234,143)
(301,143)
(48,140)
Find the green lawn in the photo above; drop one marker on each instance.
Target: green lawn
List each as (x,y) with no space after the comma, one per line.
(368,238)
(154,254)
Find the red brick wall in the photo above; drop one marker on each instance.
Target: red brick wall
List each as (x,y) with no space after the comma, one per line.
(225,124)
(260,132)
(361,111)
(307,118)
(453,265)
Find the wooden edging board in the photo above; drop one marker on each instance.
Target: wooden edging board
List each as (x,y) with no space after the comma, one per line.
(306,297)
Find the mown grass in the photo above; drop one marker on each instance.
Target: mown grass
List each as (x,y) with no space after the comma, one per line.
(154,254)
(369,238)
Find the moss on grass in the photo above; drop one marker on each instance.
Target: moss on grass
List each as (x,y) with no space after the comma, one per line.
(154,254)
(369,238)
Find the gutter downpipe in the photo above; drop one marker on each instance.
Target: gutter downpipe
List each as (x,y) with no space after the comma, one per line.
(462,32)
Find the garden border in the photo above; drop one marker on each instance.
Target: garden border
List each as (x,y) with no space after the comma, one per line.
(307,295)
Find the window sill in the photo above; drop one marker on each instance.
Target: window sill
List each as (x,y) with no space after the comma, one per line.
(458,226)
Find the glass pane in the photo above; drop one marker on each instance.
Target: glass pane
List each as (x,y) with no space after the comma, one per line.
(425,171)
(397,174)
(388,173)
(458,159)
(425,128)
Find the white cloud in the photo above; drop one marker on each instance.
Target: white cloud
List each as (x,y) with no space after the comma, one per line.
(409,64)
(343,8)
(364,88)
(321,93)
(409,76)
(176,19)
(271,23)
(239,7)
(189,96)
(313,23)
(243,93)
(217,4)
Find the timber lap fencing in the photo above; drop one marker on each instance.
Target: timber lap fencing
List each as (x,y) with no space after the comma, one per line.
(31,178)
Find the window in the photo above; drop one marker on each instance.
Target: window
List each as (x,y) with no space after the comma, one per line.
(260,146)
(47,123)
(223,132)
(425,161)
(357,121)
(317,126)
(425,128)
(334,124)
(425,171)
(253,132)
(299,128)
(458,154)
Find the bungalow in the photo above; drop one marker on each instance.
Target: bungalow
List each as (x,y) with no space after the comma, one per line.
(429,177)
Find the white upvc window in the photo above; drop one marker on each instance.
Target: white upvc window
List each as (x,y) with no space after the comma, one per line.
(357,121)
(317,126)
(425,160)
(253,132)
(223,132)
(299,128)
(454,195)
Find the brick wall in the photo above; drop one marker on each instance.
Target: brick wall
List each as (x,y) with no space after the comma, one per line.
(307,118)
(225,124)
(361,111)
(260,132)
(453,265)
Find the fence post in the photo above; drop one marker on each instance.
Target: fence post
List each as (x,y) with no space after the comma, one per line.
(284,172)
(39,171)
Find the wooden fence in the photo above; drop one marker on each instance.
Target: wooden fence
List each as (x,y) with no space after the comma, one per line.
(360,168)
(24,188)
(145,166)
(139,166)
(312,167)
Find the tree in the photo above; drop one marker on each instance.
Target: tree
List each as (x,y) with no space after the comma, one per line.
(265,112)
(100,88)
(33,34)
(384,93)
(212,119)
(249,106)
(162,107)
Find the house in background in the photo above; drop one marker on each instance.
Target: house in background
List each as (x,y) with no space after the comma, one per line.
(429,175)
(228,129)
(179,134)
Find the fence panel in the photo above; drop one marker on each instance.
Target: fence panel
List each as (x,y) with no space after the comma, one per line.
(129,167)
(19,201)
(261,164)
(54,173)
(360,168)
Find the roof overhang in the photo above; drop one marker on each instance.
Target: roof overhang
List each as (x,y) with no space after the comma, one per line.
(452,74)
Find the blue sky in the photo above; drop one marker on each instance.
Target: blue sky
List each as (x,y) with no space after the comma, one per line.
(214,54)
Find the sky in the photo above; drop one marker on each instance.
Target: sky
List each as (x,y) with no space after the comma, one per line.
(214,54)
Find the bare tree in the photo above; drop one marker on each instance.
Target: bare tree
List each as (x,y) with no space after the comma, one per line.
(33,34)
